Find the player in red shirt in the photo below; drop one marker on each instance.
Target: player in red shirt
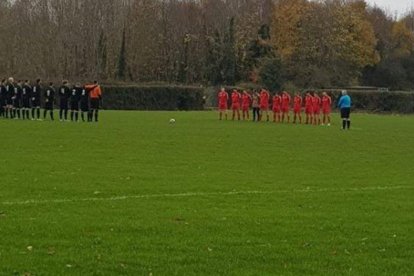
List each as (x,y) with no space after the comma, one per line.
(235,104)
(286,99)
(297,108)
(326,108)
(264,104)
(223,98)
(316,103)
(246,101)
(309,108)
(277,107)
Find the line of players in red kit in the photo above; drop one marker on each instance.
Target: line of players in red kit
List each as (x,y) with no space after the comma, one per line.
(280,105)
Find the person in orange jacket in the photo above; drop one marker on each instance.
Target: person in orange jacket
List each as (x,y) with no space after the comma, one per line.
(95,95)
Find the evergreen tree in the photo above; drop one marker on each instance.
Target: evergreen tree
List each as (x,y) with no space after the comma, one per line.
(102,56)
(270,73)
(122,59)
(214,59)
(229,59)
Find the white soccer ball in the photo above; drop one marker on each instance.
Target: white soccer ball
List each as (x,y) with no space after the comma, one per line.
(172,121)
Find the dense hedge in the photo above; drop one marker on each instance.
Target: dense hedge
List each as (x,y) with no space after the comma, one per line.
(153,97)
(170,97)
(363,100)
(375,101)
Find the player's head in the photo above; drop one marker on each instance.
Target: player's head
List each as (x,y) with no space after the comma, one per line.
(50,83)
(78,84)
(344,92)
(95,82)
(3,81)
(223,89)
(324,94)
(38,81)
(26,82)
(11,80)
(64,82)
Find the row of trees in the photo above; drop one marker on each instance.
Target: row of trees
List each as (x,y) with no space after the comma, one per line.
(294,43)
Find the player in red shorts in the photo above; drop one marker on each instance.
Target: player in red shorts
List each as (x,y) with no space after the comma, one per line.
(246,101)
(316,103)
(297,108)
(235,104)
(286,99)
(309,108)
(326,108)
(264,104)
(223,98)
(277,108)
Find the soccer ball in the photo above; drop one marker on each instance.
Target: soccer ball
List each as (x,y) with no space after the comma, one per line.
(172,121)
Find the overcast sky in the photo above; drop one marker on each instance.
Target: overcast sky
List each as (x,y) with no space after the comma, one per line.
(392,6)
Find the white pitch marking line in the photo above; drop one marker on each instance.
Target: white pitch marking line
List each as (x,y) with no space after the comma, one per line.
(201,194)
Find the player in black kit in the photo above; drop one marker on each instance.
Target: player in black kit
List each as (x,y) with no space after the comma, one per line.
(49,101)
(26,94)
(64,95)
(2,99)
(74,102)
(17,99)
(84,103)
(35,99)
(9,98)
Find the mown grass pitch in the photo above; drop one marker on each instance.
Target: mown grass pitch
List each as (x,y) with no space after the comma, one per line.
(135,195)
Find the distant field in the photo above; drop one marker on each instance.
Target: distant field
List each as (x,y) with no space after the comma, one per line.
(134,195)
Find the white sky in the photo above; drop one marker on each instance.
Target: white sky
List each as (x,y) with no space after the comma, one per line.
(399,7)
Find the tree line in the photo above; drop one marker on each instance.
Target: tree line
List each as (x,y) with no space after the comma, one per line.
(277,43)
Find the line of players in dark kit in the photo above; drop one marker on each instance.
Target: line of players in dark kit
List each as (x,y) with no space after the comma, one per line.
(17,99)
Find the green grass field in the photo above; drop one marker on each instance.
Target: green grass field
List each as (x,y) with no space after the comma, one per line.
(134,195)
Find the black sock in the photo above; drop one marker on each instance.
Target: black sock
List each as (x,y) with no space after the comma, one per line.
(38,113)
(83,116)
(349,124)
(71,116)
(61,114)
(66,114)
(7,113)
(76,116)
(27,114)
(33,113)
(44,114)
(18,113)
(343,124)
(51,115)
(24,114)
